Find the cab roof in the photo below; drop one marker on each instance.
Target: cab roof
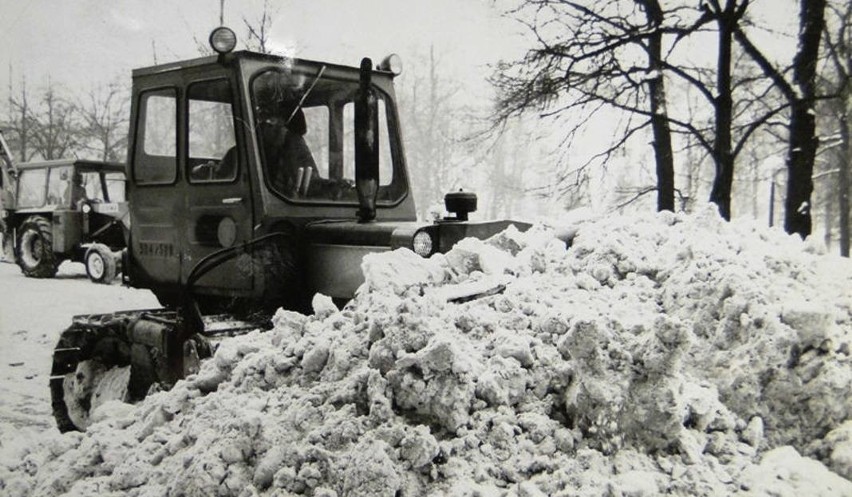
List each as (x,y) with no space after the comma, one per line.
(241,55)
(84,164)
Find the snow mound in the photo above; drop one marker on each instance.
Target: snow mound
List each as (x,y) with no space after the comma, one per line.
(666,353)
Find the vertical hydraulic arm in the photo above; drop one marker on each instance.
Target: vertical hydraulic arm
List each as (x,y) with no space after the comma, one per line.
(8,190)
(8,165)
(8,174)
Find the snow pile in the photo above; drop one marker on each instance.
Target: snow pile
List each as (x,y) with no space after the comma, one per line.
(660,354)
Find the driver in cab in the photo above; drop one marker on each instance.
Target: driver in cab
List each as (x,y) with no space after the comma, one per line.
(287,157)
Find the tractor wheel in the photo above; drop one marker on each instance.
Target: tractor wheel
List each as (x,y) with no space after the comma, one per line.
(100,264)
(35,248)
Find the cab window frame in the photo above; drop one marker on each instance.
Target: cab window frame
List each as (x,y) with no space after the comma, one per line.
(24,184)
(141,135)
(189,161)
(399,182)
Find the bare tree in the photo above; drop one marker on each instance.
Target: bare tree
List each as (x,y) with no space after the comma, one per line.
(20,122)
(663,152)
(737,98)
(54,125)
(105,117)
(585,60)
(257,37)
(435,132)
(591,61)
(801,96)
(587,57)
(838,42)
(726,18)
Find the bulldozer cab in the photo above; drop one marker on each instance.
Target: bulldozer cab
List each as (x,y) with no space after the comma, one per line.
(227,149)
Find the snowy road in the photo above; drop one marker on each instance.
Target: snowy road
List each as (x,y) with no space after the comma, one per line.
(33,313)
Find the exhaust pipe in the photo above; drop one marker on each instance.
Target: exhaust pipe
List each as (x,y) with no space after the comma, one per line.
(366,145)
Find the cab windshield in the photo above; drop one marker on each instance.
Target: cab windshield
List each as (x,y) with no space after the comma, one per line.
(306,132)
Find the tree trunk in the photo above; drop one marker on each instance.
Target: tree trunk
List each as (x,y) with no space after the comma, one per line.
(722,148)
(659,117)
(829,218)
(803,143)
(800,167)
(843,183)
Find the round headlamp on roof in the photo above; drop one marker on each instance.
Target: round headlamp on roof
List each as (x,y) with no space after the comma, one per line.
(392,64)
(223,40)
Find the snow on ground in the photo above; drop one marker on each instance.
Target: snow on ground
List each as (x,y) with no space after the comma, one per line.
(33,312)
(660,354)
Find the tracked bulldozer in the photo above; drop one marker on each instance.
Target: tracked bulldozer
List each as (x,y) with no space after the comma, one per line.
(254,181)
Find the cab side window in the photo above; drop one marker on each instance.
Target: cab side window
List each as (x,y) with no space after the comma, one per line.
(91,183)
(32,188)
(212,141)
(385,157)
(60,188)
(155,161)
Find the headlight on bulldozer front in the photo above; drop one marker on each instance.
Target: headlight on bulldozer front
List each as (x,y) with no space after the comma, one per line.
(423,244)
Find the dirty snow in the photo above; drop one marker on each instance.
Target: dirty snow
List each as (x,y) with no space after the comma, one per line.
(32,314)
(660,354)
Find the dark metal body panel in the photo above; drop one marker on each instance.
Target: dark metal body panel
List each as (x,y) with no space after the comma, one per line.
(169,220)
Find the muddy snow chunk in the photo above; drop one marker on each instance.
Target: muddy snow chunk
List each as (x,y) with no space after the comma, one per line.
(419,447)
(471,255)
(840,442)
(510,240)
(315,358)
(516,346)
(636,484)
(399,270)
(783,472)
(753,432)
(436,382)
(370,472)
(323,306)
(504,382)
(812,322)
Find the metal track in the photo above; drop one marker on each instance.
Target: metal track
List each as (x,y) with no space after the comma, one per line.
(107,338)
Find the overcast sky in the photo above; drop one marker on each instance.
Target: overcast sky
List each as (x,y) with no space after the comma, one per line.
(84,42)
(81,43)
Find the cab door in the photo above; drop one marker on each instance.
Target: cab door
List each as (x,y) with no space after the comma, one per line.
(217,190)
(189,188)
(154,188)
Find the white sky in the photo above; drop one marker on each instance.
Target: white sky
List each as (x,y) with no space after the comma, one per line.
(86,42)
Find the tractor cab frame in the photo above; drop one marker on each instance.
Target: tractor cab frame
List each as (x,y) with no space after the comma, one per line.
(66,210)
(227,150)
